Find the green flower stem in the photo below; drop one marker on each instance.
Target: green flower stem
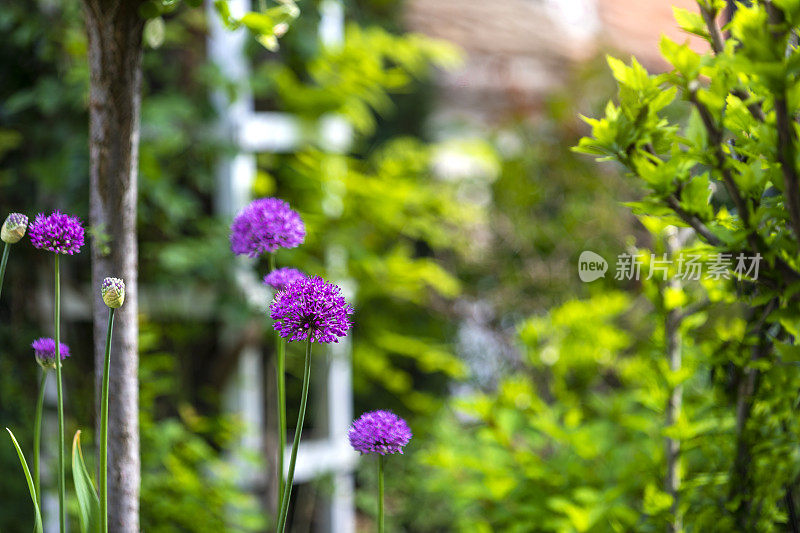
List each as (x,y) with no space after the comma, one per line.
(37,436)
(103,517)
(280,372)
(380,493)
(287,491)
(3,262)
(62,510)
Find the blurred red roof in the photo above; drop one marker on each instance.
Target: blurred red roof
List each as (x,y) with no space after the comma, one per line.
(519,50)
(635,27)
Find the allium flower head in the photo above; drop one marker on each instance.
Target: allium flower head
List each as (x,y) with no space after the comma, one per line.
(113,292)
(280,278)
(266,225)
(45,351)
(57,233)
(311,309)
(14,228)
(380,432)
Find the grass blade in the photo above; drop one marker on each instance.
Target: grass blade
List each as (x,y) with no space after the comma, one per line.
(29,479)
(88,502)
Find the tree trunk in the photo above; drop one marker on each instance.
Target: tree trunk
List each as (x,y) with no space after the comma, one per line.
(114,29)
(672,334)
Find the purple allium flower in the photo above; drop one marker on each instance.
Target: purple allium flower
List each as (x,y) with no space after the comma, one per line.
(311,309)
(281,278)
(57,233)
(45,351)
(113,292)
(266,225)
(14,228)
(380,432)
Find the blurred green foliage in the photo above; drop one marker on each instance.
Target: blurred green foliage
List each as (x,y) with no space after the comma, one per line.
(509,454)
(268,24)
(573,439)
(378,215)
(568,435)
(357,79)
(726,167)
(562,444)
(187,482)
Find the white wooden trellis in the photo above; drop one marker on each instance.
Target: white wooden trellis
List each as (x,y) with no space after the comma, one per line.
(256,131)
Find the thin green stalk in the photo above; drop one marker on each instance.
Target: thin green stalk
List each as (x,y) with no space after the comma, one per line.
(280,373)
(287,491)
(103,517)
(62,510)
(380,494)
(281,370)
(37,436)
(3,262)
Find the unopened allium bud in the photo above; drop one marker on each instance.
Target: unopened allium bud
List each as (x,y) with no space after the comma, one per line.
(14,228)
(113,291)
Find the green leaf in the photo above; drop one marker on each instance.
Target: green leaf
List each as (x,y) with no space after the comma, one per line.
(38,527)
(684,59)
(696,195)
(259,22)
(268,25)
(150,9)
(663,98)
(88,502)
(224,12)
(714,6)
(619,69)
(656,500)
(790,8)
(674,297)
(696,131)
(690,22)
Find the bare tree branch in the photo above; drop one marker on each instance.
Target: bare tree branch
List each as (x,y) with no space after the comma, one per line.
(718,45)
(690,310)
(754,239)
(786,157)
(672,334)
(740,478)
(717,42)
(715,134)
(693,221)
(786,137)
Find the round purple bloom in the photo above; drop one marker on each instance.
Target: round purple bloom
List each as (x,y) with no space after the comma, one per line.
(266,225)
(280,278)
(45,351)
(380,432)
(57,233)
(311,309)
